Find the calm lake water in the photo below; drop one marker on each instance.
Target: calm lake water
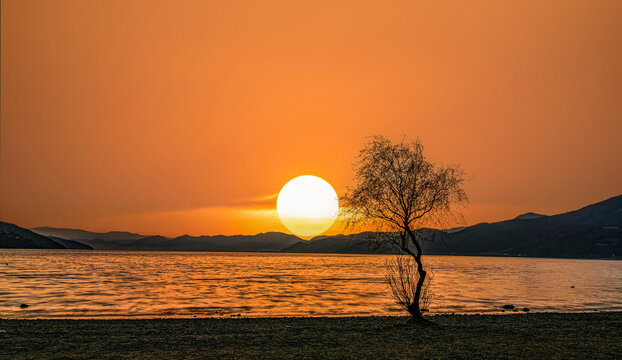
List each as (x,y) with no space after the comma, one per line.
(73,283)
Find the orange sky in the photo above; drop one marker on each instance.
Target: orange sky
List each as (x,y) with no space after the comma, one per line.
(176,117)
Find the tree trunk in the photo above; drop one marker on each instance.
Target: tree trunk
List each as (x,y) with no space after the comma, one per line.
(414,308)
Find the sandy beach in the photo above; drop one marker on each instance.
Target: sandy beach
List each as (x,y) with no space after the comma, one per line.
(543,335)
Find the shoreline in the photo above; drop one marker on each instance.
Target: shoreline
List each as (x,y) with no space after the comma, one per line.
(106,317)
(515,335)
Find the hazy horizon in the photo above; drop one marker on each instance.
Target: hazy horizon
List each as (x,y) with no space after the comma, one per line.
(334,230)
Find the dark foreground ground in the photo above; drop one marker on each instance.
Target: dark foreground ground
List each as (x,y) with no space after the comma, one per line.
(551,336)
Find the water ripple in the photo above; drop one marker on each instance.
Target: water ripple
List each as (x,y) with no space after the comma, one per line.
(66,283)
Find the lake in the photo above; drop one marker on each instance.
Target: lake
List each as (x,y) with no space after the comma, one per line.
(108,284)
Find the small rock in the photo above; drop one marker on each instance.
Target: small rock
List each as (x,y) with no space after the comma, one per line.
(525,309)
(508,306)
(572,287)
(23,306)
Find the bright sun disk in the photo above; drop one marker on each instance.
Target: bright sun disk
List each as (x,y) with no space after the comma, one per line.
(307,205)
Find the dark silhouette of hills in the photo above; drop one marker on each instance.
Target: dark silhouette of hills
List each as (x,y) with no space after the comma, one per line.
(271,241)
(71,244)
(344,244)
(77,234)
(15,237)
(339,244)
(594,231)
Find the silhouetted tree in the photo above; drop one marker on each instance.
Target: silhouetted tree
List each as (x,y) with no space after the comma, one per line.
(397,192)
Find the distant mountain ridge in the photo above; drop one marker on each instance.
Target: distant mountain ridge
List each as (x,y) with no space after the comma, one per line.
(270,241)
(340,244)
(594,231)
(77,234)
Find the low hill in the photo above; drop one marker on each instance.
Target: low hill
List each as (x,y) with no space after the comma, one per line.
(77,234)
(529,216)
(337,244)
(594,231)
(71,244)
(15,237)
(145,243)
(361,243)
(271,241)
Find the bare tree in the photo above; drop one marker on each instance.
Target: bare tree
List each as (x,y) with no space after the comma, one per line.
(397,192)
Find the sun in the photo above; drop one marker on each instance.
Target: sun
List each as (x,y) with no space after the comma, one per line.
(307,205)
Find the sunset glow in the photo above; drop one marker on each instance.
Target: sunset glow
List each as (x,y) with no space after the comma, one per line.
(171,117)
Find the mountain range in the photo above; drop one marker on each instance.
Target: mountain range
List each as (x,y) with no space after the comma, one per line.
(594,231)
